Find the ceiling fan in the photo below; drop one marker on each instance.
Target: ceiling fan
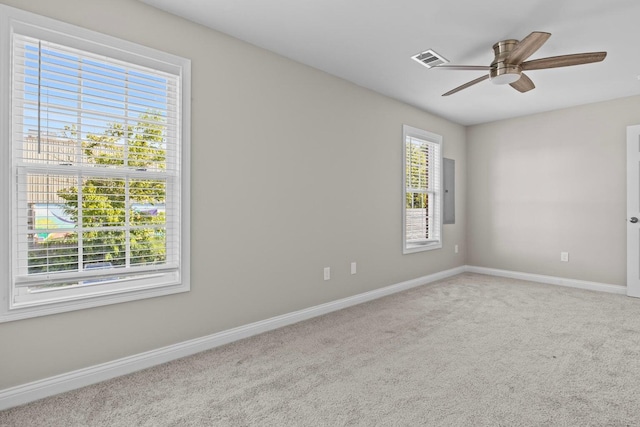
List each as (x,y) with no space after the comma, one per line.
(510,62)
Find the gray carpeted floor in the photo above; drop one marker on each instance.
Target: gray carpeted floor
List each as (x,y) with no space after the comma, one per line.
(472,350)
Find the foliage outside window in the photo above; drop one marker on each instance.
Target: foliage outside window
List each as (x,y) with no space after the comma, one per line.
(422,183)
(97,194)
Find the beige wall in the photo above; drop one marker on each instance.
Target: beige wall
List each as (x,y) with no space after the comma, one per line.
(552,182)
(293,170)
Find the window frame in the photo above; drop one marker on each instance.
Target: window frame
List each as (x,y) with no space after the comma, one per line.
(97,294)
(434,140)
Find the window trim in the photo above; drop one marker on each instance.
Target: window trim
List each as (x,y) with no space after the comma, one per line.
(94,296)
(430,137)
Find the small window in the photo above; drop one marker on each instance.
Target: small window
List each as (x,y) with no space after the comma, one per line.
(97,195)
(422,183)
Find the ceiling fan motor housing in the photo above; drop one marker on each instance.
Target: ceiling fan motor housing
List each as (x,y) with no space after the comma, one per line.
(502,73)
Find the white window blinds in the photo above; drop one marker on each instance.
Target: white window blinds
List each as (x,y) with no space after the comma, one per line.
(97,168)
(422,188)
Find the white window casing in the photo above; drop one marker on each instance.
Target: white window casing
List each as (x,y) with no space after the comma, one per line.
(422,190)
(94,147)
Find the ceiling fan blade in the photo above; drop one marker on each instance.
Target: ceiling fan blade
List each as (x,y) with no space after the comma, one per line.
(465,67)
(564,60)
(466,85)
(523,84)
(527,47)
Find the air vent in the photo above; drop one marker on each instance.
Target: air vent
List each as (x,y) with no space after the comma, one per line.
(430,59)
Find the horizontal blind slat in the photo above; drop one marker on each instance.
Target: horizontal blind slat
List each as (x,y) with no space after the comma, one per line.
(21,40)
(28,76)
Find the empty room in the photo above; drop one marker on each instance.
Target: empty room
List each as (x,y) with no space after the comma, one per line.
(319,213)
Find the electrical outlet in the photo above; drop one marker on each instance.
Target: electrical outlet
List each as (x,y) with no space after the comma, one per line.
(455,248)
(564,256)
(353,268)
(327,273)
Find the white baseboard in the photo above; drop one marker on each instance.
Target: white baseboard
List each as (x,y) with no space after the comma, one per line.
(29,392)
(551,280)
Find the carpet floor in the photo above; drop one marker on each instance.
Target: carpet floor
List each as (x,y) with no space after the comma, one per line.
(471,350)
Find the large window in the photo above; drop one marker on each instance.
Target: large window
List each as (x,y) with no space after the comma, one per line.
(422,183)
(95,199)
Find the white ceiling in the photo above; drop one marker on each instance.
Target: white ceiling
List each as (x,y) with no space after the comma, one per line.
(370,42)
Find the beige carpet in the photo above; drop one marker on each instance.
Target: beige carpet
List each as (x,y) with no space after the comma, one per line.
(472,350)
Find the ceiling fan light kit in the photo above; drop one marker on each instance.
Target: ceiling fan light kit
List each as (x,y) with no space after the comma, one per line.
(505,75)
(509,62)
